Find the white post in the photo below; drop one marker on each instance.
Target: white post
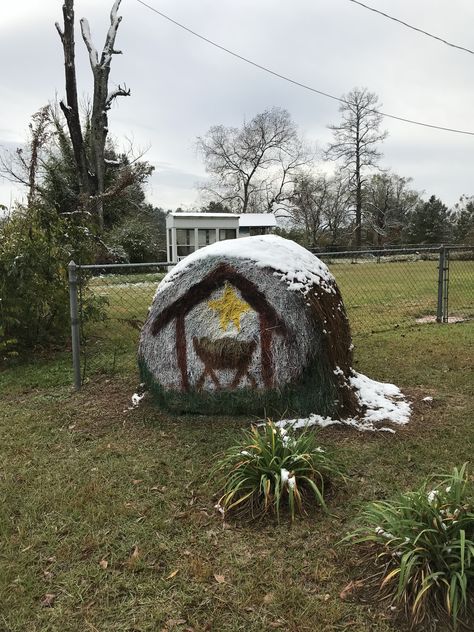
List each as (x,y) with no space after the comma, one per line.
(174,248)
(196,237)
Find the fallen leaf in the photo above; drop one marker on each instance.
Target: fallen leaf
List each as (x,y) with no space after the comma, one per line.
(103,564)
(137,481)
(268,598)
(351,587)
(220,579)
(173,574)
(48,600)
(132,560)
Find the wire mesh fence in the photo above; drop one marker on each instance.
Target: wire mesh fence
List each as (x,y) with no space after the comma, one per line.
(382,290)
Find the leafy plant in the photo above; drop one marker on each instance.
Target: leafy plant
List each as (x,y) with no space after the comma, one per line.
(424,544)
(36,244)
(269,468)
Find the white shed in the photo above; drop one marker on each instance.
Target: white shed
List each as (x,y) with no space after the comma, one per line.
(187,232)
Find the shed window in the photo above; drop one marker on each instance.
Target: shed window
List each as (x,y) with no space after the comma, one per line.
(206,236)
(227,233)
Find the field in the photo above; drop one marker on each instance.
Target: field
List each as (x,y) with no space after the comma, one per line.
(107,513)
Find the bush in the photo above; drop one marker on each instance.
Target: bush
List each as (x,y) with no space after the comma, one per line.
(35,248)
(424,546)
(140,239)
(269,468)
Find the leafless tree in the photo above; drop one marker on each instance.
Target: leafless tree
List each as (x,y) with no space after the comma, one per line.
(91,165)
(319,206)
(355,144)
(23,165)
(252,168)
(388,199)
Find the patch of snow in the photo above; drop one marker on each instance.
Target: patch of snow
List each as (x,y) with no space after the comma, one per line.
(257,219)
(384,402)
(136,399)
(384,534)
(295,265)
(380,401)
(284,474)
(427,399)
(432,495)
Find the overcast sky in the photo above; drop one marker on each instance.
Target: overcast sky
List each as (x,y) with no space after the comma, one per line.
(180,86)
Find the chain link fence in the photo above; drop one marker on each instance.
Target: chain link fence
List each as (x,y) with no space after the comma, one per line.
(382,290)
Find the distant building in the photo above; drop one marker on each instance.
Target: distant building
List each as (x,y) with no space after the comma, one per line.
(187,232)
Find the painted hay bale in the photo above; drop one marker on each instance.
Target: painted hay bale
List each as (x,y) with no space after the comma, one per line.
(251,325)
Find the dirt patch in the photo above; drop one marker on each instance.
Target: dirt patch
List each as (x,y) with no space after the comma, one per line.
(432,319)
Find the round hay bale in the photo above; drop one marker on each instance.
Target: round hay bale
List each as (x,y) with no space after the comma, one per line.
(251,325)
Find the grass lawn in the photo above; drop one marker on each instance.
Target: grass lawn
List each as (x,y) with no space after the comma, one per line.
(110,511)
(378,297)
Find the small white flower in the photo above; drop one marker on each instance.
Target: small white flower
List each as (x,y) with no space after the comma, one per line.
(448,489)
(219,508)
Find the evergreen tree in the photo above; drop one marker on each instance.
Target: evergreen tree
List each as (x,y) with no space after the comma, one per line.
(429,223)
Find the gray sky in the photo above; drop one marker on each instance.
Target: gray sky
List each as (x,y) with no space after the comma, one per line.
(181,86)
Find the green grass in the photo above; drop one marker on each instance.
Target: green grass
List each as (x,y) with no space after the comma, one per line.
(83,479)
(378,297)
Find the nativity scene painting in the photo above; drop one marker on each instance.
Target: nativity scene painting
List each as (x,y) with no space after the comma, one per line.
(240,329)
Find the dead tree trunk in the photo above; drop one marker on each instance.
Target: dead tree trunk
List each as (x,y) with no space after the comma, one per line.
(92,171)
(70,109)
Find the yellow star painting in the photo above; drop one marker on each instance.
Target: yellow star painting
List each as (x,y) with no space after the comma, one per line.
(229,307)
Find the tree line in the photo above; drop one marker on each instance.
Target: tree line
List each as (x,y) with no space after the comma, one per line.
(344,200)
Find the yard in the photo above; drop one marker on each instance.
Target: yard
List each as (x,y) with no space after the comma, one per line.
(107,518)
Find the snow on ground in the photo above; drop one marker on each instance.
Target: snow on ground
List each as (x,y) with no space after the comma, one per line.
(382,402)
(291,262)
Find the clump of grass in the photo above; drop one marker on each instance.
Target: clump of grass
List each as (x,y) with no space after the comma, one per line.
(424,546)
(269,468)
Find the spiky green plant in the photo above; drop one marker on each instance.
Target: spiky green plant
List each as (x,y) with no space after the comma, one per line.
(424,546)
(269,468)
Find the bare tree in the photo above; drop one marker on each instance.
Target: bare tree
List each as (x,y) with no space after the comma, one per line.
(319,206)
(355,144)
(252,168)
(23,165)
(91,165)
(388,200)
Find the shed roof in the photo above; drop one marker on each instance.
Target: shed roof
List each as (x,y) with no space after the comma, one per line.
(257,219)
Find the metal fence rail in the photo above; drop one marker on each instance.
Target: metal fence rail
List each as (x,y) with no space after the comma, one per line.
(382,290)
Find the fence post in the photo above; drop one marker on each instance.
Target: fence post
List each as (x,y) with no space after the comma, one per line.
(441,284)
(75,335)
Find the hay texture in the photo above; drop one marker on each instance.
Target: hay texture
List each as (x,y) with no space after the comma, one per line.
(252,325)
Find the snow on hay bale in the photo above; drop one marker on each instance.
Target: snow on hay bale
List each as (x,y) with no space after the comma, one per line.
(250,325)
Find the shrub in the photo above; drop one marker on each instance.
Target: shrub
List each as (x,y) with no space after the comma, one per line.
(35,248)
(269,468)
(140,238)
(424,546)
